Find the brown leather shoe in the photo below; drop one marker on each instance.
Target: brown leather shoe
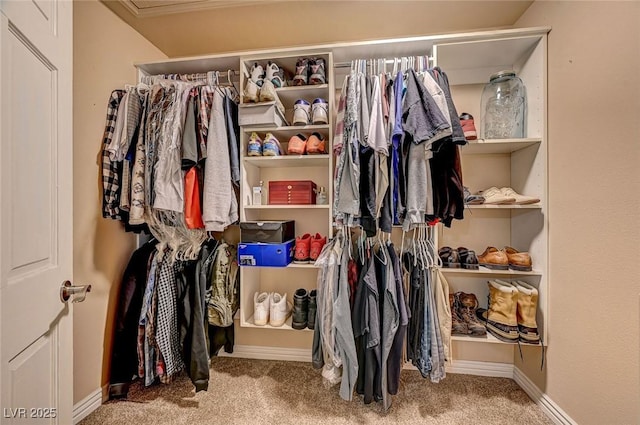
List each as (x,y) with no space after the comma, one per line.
(494,258)
(520,261)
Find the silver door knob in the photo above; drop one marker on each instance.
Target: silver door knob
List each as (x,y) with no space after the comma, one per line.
(79,293)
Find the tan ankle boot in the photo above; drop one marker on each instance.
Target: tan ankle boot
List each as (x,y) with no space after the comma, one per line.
(468,304)
(501,316)
(526,314)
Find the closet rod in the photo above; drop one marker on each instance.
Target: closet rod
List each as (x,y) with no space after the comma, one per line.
(388,61)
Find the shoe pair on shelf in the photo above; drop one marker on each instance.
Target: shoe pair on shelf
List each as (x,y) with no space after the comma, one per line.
(310,71)
(300,145)
(304,309)
(504,259)
(305,113)
(511,315)
(269,147)
(261,86)
(456,258)
(503,196)
(271,308)
(308,248)
(464,320)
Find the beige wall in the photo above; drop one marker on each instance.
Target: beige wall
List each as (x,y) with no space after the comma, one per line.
(104,51)
(594,186)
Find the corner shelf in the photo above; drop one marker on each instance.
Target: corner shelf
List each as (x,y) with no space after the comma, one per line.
(286,327)
(485,272)
(498,146)
(288,161)
(291,265)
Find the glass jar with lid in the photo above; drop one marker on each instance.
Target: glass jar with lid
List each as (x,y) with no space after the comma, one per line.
(503,107)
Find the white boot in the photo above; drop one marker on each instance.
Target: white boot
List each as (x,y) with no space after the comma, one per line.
(261,305)
(280,309)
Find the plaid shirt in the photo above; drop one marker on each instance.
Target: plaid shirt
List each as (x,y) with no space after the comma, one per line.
(111,170)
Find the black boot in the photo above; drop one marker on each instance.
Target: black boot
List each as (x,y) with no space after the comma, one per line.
(311,318)
(300,309)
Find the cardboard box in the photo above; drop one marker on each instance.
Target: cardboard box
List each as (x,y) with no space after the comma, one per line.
(266,254)
(267,231)
(264,114)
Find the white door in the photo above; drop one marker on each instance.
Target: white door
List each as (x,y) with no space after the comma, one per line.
(36,363)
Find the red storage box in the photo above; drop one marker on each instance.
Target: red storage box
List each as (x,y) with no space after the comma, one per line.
(294,192)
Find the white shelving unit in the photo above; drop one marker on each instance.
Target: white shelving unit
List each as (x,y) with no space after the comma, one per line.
(517,163)
(308,218)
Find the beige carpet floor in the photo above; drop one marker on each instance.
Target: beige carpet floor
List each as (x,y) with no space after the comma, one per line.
(245,391)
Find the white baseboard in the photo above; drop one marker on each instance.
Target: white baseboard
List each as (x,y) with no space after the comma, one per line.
(269,353)
(499,370)
(548,406)
(88,405)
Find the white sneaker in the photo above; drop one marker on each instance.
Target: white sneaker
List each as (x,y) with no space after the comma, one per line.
(261,304)
(320,111)
(519,199)
(275,75)
(301,110)
(268,94)
(257,74)
(280,309)
(251,91)
(494,196)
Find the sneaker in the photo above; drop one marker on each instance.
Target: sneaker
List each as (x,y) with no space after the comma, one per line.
(271,146)
(268,94)
(280,309)
(316,144)
(302,72)
(302,249)
(261,307)
(251,92)
(466,121)
(297,145)
(301,112)
(519,199)
(254,147)
(300,309)
(317,73)
(494,196)
(470,199)
(275,74)
(320,111)
(316,245)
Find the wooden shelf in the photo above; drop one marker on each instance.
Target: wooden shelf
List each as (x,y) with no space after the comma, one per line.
(283,134)
(291,265)
(488,338)
(286,207)
(288,95)
(286,327)
(483,271)
(496,146)
(505,207)
(288,161)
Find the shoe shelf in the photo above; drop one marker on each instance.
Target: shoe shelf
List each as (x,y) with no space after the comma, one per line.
(289,266)
(497,146)
(286,207)
(505,207)
(483,271)
(288,161)
(488,338)
(290,130)
(286,327)
(289,94)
